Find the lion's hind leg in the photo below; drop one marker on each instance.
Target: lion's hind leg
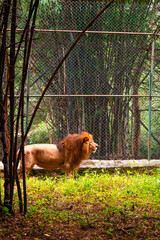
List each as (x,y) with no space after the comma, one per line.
(29,163)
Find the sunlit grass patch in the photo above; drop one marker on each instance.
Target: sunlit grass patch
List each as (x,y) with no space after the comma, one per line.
(124,195)
(100,203)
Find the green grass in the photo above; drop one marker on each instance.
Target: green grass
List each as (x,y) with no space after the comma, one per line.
(109,194)
(122,205)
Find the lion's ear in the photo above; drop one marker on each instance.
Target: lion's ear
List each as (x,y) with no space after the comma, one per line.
(60,146)
(85,139)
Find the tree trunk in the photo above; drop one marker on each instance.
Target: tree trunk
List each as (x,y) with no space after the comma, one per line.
(136,125)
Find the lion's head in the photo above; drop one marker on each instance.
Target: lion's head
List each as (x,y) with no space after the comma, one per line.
(88,143)
(75,148)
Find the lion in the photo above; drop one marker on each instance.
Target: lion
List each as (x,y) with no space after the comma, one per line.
(66,155)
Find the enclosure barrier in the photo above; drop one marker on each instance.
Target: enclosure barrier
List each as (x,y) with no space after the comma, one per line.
(109,84)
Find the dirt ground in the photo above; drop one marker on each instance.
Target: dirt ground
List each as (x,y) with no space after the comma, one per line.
(20,227)
(115,227)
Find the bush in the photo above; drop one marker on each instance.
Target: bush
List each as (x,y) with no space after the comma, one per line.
(38,134)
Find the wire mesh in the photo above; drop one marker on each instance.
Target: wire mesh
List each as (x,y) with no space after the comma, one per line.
(103,85)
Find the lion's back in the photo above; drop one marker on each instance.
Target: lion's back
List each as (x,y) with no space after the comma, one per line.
(42,151)
(39,146)
(44,155)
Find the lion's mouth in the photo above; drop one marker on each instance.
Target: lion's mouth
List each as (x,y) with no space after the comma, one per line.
(95,146)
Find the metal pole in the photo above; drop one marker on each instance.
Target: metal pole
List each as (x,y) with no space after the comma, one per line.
(27,99)
(88,95)
(79,31)
(72,79)
(150,101)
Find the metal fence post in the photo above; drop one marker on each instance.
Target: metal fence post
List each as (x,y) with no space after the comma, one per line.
(27,99)
(150,100)
(72,79)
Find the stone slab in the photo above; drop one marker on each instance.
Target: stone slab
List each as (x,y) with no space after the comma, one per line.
(102,164)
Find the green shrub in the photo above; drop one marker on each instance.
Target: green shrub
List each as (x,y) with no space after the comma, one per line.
(38,134)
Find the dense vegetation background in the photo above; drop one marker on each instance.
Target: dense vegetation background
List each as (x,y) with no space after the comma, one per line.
(102,64)
(95,90)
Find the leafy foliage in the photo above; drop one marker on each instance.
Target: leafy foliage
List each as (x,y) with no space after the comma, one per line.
(39,134)
(118,204)
(109,64)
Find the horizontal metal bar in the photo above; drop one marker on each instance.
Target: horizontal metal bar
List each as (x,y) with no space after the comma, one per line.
(83,95)
(102,32)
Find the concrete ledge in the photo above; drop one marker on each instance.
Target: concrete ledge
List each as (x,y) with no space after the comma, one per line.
(102,164)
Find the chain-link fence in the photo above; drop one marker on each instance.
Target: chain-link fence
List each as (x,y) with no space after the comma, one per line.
(109,84)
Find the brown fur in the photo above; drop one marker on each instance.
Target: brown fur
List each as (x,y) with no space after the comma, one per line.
(67,154)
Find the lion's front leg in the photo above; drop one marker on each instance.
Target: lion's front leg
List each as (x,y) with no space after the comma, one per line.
(68,169)
(68,166)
